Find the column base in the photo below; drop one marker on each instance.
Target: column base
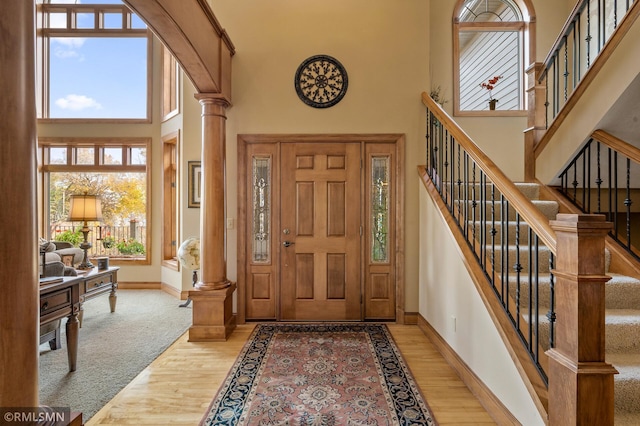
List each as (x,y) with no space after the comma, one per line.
(213,318)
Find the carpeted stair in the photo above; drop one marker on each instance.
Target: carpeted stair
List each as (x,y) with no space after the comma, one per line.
(622,322)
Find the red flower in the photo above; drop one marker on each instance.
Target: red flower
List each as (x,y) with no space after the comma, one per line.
(490,84)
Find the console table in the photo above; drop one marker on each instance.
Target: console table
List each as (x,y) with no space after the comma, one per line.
(97,282)
(60,299)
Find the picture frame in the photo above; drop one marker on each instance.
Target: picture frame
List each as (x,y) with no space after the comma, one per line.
(67,259)
(195,175)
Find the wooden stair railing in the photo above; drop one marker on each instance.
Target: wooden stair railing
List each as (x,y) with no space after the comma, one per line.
(460,178)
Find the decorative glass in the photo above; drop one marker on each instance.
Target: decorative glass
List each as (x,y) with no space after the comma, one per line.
(261,209)
(380,209)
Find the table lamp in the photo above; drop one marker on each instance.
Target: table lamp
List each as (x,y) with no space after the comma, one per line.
(85,208)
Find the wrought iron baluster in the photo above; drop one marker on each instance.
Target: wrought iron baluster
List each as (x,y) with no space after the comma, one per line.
(599,178)
(517,267)
(610,168)
(503,248)
(566,68)
(589,38)
(615,194)
(533,257)
(474,206)
(586,179)
(493,234)
(460,198)
(627,203)
(551,315)
(575,181)
(445,177)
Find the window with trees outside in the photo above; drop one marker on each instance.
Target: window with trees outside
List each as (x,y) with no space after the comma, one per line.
(491,50)
(116,170)
(95,62)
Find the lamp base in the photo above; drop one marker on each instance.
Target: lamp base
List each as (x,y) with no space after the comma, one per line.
(85,246)
(87,265)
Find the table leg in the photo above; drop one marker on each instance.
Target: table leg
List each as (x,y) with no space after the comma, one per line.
(112,299)
(72,340)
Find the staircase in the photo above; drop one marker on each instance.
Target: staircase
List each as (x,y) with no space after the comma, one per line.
(622,322)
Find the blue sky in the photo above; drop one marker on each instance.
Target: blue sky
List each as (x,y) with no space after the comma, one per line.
(97,77)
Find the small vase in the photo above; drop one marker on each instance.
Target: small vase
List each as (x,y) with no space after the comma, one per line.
(492,104)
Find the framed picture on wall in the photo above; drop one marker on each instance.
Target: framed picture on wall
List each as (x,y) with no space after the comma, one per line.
(195,174)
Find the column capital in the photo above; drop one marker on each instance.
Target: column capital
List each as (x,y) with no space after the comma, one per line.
(213,99)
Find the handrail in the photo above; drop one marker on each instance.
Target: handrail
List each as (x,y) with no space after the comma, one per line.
(534,217)
(617,144)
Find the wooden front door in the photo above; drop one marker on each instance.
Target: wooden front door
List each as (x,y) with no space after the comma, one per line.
(319,227)
(320,204)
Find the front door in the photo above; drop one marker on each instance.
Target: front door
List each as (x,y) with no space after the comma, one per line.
(320,233)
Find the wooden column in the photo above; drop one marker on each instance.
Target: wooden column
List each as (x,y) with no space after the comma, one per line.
(536,119)
(212,297)
(19,317)
(580,382)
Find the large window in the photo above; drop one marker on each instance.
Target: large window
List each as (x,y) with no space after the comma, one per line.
(95,62)
(491,46)
(116,170)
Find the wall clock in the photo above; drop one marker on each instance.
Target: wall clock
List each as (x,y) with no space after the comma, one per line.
(321,81)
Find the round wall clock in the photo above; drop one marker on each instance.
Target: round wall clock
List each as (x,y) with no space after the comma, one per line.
(321,81)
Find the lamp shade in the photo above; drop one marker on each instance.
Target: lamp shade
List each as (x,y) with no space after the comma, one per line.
(85,208)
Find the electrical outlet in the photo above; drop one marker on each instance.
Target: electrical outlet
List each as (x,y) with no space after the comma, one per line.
(453,322)
(230,223)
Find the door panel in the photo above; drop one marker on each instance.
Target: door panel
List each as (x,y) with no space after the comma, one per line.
(320,217)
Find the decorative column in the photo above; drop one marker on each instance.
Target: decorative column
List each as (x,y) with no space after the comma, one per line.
(19,287)
(213,317)
(536,119)
(580,382)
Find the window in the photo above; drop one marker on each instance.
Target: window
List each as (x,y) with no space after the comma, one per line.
(169,84)
(170,200)
(115,169)
(491,45)
(94,62)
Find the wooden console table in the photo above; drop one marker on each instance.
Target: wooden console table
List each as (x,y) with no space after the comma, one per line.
(64,299)
(97,282)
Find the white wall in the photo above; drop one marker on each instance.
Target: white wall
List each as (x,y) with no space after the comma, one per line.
(447,292)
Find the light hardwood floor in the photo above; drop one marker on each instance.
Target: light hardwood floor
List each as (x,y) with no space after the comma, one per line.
(178,386)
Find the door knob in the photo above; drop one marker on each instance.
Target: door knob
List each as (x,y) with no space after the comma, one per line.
(287,243)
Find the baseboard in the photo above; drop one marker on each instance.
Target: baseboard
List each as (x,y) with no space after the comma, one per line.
(411,318)
(173,291)
(489,401)
(134,285)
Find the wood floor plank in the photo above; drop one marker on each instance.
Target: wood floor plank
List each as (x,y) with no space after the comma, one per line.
(177,388)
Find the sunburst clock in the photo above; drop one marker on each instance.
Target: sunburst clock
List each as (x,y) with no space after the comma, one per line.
(321,81)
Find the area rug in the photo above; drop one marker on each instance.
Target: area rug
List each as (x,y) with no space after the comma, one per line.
(319,374)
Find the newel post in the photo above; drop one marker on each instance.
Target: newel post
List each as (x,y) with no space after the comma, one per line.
(536,119)
(580,382)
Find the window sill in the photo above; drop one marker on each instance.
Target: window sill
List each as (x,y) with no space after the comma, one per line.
(495,113)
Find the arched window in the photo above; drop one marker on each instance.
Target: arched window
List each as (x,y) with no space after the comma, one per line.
(491,53)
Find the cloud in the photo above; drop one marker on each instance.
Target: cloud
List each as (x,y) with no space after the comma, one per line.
(77,102)
(67,47)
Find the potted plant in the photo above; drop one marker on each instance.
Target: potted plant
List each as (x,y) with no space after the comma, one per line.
(108,242)
(489,85)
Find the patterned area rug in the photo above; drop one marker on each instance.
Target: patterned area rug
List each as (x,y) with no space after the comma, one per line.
(319,374)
